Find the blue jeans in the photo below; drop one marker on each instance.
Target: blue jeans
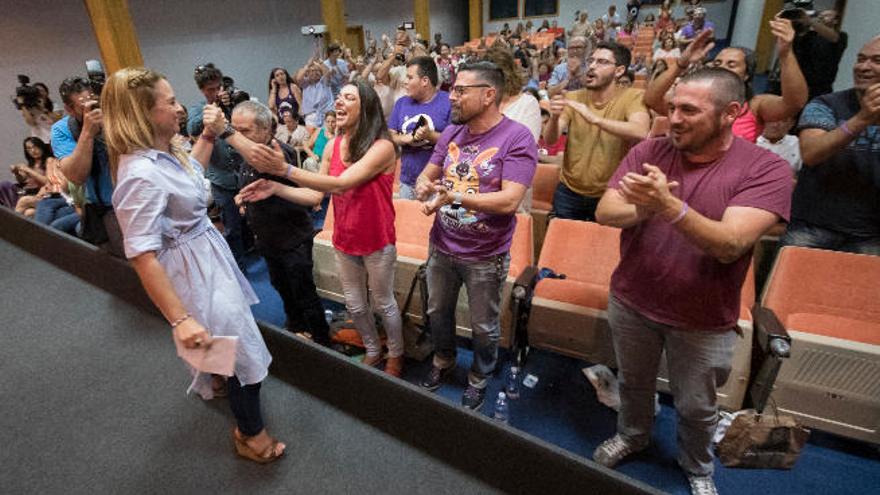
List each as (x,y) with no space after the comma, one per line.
(484,281)
(58,214)
(699,362)
(573,206)
(244,400)
(806,235)
(229,214)
(406,191)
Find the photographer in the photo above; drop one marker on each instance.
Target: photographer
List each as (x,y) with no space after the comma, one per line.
(35,108)
(818,47)
(221,171)
(283,230)
(78,143)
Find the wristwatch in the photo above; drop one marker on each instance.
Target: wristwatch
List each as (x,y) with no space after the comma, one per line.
(456,200)
(228,131)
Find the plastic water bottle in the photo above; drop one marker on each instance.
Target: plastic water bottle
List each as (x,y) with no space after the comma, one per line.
(502,411)
(512,388)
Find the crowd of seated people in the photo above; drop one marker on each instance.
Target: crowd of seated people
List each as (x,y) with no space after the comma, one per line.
(584,100)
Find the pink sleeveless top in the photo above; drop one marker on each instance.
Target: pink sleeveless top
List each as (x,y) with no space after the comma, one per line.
(363,217)
(747,126)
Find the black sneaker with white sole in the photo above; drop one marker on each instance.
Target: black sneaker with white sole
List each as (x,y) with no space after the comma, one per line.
(473,397)
(435,378)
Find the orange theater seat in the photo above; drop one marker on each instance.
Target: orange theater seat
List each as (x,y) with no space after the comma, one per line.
(829,302)
(568,315)
(543,187)
(413,229)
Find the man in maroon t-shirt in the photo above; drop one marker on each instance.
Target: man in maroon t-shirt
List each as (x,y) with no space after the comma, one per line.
(691,207)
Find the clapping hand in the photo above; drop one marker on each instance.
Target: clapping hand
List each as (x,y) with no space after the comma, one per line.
(783,30)
(441,197)
(651,191)
(213,120)
(268,160)
(582,110)
(697,50)
(257,190)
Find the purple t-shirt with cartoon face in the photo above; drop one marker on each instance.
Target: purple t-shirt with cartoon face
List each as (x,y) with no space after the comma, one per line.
(405,119)
(667,277)
(476,164)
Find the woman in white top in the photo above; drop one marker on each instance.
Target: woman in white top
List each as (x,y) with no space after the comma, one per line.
(668,49)
(183,262)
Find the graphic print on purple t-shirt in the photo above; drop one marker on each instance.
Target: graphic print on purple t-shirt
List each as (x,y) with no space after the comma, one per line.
(405,119)
(477,164)
(662,273)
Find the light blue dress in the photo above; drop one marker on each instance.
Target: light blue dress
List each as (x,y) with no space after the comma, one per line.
(163,208)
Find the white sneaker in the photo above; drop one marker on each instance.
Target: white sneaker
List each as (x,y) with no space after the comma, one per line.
(702,485)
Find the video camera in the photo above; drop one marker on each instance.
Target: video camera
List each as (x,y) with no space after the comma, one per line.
(798,11)
(236,95)
(26,96)
(96,75)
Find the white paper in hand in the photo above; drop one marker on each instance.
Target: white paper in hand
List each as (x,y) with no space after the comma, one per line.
(218,358)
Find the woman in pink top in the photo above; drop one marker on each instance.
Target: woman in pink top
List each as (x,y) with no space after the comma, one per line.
(358,168)
(741,61)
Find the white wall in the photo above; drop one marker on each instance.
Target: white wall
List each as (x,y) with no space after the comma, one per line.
(244,39)
(861,21)
(717,12)
(449,17)
(748,14)
(379,16)
(47,41)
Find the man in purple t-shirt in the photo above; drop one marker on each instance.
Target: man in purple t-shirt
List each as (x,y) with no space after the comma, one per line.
(417,120)
(474,181)
(691,207)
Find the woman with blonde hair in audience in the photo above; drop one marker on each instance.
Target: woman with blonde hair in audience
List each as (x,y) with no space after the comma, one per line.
(358,168)
(183,262)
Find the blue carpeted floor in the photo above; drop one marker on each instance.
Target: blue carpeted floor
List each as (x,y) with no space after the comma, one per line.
(562,409)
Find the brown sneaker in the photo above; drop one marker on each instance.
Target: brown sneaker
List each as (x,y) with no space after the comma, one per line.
(394,366)
(373,361)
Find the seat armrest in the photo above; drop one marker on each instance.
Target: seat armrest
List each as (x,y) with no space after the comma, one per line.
(770,334)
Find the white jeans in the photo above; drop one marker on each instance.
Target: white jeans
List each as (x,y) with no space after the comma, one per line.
(377,268)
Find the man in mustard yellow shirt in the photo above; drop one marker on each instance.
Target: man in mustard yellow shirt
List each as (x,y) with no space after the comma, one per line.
(603,121)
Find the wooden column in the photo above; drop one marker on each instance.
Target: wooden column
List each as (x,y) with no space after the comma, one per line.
(333,13)
(115,34)
(422,18)
(475,18)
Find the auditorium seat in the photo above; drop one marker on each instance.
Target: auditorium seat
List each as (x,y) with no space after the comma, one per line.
(413,230)
(543,186)
(569,315)
(829,302)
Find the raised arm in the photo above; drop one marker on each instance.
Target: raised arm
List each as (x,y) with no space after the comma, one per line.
(77,166)
(770,108)
(635,128)
(655,92)
(214,122)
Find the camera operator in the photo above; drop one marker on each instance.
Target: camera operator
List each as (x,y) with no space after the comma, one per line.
(818,47)
(78,143)
(283,230)
(222,171)
(35,108)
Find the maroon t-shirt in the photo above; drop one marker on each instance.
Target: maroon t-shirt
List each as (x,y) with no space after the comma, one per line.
(665,276)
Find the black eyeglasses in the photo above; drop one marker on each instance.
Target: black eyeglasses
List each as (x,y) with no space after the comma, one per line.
(459,89)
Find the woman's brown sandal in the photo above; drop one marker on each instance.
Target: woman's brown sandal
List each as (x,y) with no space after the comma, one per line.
(269,454)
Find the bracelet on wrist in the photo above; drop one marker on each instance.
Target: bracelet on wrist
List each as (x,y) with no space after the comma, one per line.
(212,138)
(845,128)
(681,214)
(177,322)
(289,172)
